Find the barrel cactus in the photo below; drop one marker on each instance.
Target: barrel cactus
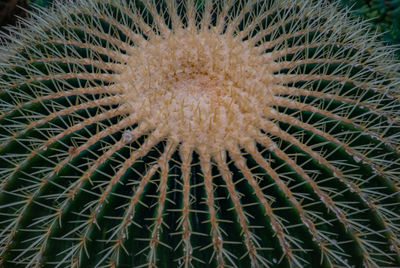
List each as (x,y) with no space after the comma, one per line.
(198,133)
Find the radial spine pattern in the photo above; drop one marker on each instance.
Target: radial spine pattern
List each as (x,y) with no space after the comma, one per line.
(198,133)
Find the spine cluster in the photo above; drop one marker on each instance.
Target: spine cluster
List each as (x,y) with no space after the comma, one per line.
(198,133)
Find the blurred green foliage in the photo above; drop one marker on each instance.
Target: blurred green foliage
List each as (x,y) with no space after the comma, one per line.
(384,16)
(42,3)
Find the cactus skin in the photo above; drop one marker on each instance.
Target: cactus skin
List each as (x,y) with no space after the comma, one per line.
(198,133)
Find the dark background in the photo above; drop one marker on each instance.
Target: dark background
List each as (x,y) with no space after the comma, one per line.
(384,15)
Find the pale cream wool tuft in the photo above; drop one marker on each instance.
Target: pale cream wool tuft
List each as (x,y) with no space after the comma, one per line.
(199,88)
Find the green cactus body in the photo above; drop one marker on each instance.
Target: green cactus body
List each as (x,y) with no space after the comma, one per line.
(198,133)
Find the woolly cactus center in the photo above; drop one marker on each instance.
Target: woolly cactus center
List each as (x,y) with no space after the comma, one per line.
(196,86)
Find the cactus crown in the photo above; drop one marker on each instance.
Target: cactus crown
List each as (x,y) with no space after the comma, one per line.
(198,133)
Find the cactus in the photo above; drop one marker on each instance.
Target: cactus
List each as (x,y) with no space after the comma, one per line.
(198,133)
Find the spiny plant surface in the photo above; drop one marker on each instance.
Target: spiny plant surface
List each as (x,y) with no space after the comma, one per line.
(198,133)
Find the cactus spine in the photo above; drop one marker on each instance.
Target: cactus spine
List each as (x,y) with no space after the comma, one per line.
(198,133)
